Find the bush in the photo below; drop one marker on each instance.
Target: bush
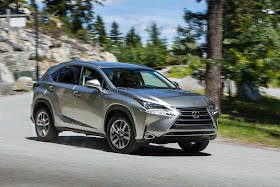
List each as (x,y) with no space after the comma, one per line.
(83,34)
(180,72)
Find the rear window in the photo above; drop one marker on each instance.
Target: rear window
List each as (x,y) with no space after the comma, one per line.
(68,75)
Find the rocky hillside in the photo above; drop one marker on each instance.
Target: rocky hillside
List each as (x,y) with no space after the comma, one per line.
(51,51)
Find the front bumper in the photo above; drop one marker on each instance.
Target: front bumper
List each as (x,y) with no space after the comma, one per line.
(174,139)
(165,128)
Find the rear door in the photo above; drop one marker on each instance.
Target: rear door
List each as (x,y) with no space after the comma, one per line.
(65,80)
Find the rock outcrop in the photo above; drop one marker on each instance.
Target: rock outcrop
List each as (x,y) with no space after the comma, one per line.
(51,52)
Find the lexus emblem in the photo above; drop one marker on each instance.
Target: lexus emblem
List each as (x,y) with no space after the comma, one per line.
(195,114)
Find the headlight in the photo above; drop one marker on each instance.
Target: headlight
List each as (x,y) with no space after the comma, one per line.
(213,109)
(157,109)
(212,106)
(148,105)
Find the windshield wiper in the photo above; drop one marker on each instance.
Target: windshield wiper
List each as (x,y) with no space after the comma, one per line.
(147,86)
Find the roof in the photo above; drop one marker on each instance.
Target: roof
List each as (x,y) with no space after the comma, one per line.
(119,65)
(112,65)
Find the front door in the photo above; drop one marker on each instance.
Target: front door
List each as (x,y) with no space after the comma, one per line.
(88,103)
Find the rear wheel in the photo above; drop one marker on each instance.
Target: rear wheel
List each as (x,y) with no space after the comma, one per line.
(120,135)
(44,125)
(193,146)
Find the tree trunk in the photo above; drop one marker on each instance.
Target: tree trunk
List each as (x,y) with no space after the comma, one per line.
(17,7)
(214,50)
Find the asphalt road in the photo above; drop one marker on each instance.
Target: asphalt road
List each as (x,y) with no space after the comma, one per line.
(87,161)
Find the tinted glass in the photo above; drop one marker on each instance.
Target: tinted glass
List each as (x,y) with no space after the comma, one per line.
(130,78)
(68,75)
(89,74)
(55,74)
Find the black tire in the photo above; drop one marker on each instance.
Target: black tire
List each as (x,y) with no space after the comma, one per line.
(51,134)
(193,147)
(132,145)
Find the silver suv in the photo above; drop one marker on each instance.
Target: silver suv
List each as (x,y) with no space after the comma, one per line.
(130,105)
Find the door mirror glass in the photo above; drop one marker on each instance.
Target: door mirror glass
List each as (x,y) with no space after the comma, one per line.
(94,83)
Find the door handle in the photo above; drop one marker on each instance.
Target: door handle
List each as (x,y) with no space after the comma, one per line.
(51,88)
(76,94)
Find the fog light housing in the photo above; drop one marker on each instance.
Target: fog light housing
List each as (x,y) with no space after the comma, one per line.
(149,136)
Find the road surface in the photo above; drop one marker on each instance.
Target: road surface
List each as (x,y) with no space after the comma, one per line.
(77,160)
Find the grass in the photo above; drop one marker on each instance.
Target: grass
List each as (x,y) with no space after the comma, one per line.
(266,134)
(250,121)
(275,83)
(179,72)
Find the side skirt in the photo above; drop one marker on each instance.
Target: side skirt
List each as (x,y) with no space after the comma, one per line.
(80,131)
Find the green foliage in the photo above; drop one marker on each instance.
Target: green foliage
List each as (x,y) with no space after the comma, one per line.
(156,49)
(80,12)
(132,54)
(154,34)
(132,39)
(193,62)
(115,35)
(83,34)
(17,2)
(188,36)
(275,82)
(180,72)
(252,41)
(251,121)
(62,7)
(100,32)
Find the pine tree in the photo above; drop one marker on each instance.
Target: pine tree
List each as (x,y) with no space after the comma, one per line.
(188,36)
(61,6)
(154,34)
(100,31)
(156,49)
(16,2)
(79,12)
(132,39)
(115,35)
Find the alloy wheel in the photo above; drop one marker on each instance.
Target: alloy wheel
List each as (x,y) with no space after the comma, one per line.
(43,124)
(120,134)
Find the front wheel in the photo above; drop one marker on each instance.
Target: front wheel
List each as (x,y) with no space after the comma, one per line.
(120,135)
(193,146)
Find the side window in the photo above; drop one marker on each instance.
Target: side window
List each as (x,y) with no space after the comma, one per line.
(68,75)
(89,74)
(55,74)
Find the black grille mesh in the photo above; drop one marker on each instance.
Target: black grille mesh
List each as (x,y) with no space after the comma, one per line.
(187,121)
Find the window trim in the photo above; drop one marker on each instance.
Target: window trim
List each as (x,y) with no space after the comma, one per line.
(97,71)
(63,68)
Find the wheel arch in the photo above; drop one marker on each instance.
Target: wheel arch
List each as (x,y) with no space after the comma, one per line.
(115,109)
(41,102)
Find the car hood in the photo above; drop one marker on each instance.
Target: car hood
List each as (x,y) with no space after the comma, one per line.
(172,97)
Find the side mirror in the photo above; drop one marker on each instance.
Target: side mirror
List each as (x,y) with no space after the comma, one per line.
(176,83)
(94,83)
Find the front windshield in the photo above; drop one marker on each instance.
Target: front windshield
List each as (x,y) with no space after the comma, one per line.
(131,78)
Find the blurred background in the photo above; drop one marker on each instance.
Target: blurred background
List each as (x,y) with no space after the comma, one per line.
(225,49)
(171,36)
